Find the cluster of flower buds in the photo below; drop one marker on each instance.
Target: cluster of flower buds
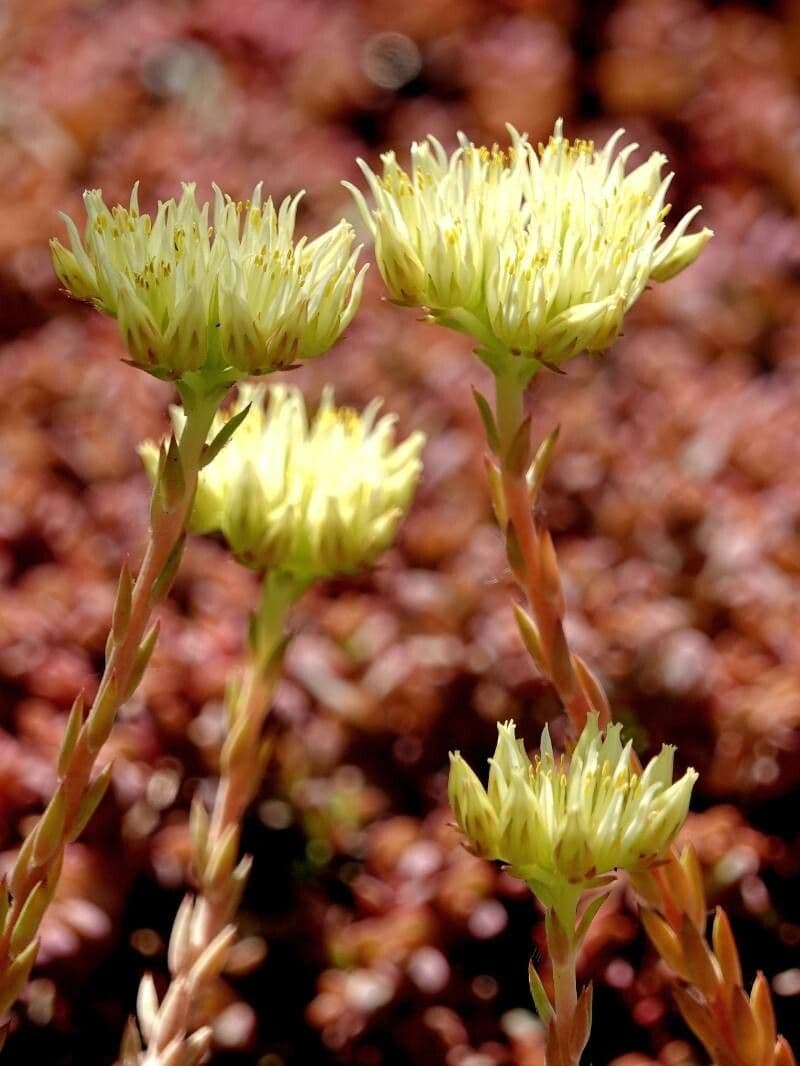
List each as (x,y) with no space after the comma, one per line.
(560,823)
(538,252)
(239,296)
(306,497)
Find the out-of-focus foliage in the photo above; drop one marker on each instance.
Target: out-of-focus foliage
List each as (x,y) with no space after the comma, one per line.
(371,936)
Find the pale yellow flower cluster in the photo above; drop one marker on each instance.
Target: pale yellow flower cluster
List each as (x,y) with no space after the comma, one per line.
(564,821)
(310,498)
(237,293)
(534,251)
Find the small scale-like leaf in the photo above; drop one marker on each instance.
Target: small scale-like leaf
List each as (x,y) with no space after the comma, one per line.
(763,1012)
(141,661)
(589,915)
(530,636)
(90,802)
(163,583)
(489,424)
(496,494)
(173,480)
(783,1054)
(102,715)
(725,949)
(541,463)
(5,901)
(13,980)
(562,671)
(212,450)
(27,924)
(131,1045)
(71,733)
(581,1023)
(147,1006)
(541,1000)
(549,573)
(23,864)
(222,859)
(664,940)
(696,1015)
(49,833)
(157,497)
(198,833)
(518,455)
(698,960)
(592,689)
(212,961)
(516,560)
(122,605)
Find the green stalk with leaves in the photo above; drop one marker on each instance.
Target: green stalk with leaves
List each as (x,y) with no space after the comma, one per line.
(538,254)
(201,306)
(298,500)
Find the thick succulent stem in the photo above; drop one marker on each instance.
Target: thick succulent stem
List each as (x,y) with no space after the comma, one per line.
(34,878)
(203,931)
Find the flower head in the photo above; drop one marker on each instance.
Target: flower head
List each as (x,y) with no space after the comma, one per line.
(562,822)
(311,498)
(535,251)
(239,294)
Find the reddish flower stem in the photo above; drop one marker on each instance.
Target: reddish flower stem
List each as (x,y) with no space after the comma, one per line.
(546,611)
(64,814)
(735,1029)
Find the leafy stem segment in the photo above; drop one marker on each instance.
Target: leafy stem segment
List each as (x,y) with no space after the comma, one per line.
(31,885)
(736,1029)
(203,931)
(568,1017)
(515,477)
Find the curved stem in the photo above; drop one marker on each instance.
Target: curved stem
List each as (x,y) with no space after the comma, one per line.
(34,878)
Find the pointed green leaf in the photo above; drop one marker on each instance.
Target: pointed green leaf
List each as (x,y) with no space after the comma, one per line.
(489,424)
(142,659)
(122,606)
(31,915)
(71,733)
(49,833)
(541,1001)
(163,583)
(212,450)
(13,981)
(518,456)
(90,802)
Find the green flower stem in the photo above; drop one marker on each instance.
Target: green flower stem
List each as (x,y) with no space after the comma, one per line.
(34,878)
(203,931)
(238,783)
(545,608)
(566,1000)
(568,1028)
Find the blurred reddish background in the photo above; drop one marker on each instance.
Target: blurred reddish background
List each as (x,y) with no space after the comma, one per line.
(371,936)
